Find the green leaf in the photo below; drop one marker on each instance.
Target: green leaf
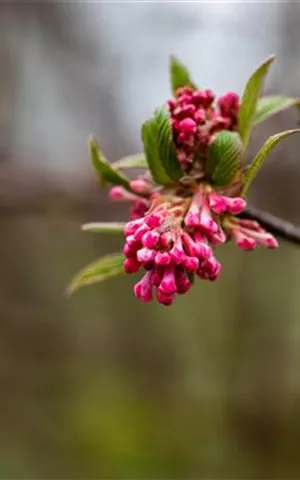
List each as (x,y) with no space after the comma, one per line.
(272,104)
(106,172)
(224,156)
(261,156)
(179,75)
(250,97)
(98,271)
(131,161)
(109,227)
(160,149)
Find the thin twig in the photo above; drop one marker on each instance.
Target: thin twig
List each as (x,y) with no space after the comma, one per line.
(273,224)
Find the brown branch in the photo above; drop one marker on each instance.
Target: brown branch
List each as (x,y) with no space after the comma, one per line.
(273,224)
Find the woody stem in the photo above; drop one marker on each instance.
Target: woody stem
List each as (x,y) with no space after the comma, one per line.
(273,224)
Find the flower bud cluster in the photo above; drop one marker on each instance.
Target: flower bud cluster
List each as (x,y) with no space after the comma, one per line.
(174,239)
(195,120)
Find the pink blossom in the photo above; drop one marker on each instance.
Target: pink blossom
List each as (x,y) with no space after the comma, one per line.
(131,265)
(195,120)
(247,234)
(143,289)
(164,298)
(221,203)
(120,194)
(174,238)
(140,186)
(183,282)
(168,284)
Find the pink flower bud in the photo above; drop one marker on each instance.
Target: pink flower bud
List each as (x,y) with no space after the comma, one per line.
(243,241)
(210,96)
(218,238)
(217,202)
(270,241)
(206,220)
(191,263)
(140,186)
(131,227)
(131,241)
(182,157)
(168,284)
(229,104)
(188,126)
(199,116)
(143,289)
(219,123)
(130,251)
(184,98)
(138,209)
(213,268)
(171,104)
(250,224)
(157,274)
(210,269)
(177,253)
(236,205)
(164,298)
(119,194)
(186,111)
(184,137)
(199,98)
(154,220)
(193,249)
(162,259)
(201,242)
(131,265)
(145,255)
(182,281)
(150,239)
(140,232)
(192,218)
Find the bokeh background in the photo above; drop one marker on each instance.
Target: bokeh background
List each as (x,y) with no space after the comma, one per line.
(101,386)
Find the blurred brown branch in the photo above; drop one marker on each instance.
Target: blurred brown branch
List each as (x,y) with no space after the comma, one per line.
(275,225)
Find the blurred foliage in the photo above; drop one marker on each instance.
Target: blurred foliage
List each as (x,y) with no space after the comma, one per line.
(97,388)
(101,386)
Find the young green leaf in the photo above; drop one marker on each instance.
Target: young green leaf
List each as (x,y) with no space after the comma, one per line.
(250,97)
(224,156)
(102,269)
(179,75)
(131,161)
(261,156)
(160,149)
(272,104)
(106,172)
(104,227)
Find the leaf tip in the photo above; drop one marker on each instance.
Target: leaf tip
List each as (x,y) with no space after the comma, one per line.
(270,58)
(174,60)
(69,291)
(267,61)
(92,142)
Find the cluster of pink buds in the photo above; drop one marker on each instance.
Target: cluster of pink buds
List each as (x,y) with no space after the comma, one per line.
(174,239)
(169,251)
(190,198)
(195,120)
(141,193)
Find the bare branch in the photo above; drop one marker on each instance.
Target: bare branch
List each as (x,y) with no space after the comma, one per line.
(276,226)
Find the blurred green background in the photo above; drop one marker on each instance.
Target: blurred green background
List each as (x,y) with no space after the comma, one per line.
(101,386)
